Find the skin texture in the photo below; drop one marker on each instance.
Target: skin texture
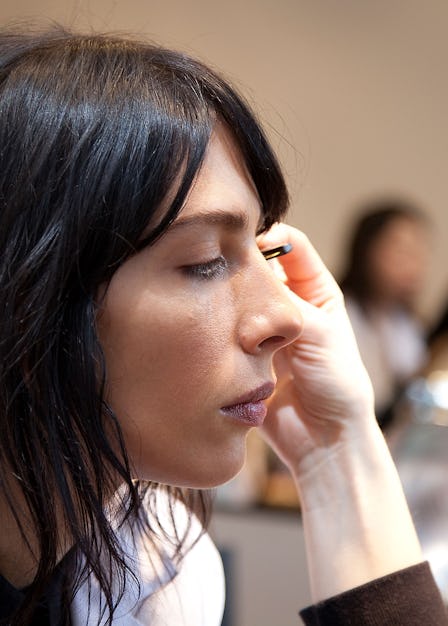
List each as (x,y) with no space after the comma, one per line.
(181,343)
(182,339)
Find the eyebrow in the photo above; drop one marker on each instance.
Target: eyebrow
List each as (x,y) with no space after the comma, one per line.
(232,221)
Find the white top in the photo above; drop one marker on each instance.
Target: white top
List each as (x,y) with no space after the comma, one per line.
(193,595)
(392,348)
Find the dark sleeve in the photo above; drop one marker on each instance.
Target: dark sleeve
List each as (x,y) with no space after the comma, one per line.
(10,599)
(51,610)
(408,597)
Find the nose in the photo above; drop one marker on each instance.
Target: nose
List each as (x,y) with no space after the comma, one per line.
(269,320)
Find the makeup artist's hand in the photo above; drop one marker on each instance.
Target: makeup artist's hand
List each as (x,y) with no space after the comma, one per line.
(323,387)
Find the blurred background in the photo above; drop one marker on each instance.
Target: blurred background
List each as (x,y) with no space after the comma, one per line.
(354,96)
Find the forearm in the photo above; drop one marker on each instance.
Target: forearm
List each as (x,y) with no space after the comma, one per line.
(356,521)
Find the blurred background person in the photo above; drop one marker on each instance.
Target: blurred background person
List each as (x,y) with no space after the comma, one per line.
(386,268)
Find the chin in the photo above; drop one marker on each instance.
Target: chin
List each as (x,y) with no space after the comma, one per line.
(217,475)
(207,469)
(202,479)
(215,471)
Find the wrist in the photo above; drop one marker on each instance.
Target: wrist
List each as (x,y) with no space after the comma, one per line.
(354,509)
(345,446)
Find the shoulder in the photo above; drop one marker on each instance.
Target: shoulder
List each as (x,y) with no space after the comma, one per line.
(166,588)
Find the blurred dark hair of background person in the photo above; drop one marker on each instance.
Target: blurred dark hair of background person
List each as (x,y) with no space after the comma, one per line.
(386,268)
(438,342)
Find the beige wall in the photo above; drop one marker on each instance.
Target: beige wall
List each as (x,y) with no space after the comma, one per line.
(356,91)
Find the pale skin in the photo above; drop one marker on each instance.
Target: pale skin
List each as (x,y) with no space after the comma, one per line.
(182,343)
(237,322)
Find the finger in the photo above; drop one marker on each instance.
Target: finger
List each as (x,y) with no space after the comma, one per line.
(307,275)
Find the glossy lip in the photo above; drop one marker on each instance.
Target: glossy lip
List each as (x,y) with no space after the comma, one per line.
(249,408)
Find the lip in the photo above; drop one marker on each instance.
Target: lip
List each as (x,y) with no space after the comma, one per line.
(249,408)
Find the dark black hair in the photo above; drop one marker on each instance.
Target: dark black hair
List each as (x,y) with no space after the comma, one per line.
(375,217)
(94,132)
(440,327)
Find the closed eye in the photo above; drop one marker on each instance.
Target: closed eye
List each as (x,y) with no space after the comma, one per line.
(215,268)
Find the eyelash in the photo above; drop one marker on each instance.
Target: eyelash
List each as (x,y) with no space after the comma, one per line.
(215,268)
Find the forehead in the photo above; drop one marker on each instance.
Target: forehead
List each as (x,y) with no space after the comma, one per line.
(222,186)
(404,229)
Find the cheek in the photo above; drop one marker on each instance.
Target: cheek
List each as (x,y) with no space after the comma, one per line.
(184,357)
(160,353)
(168,373)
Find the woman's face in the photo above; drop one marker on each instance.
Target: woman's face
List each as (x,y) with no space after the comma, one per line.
(189,327)
(399,260)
